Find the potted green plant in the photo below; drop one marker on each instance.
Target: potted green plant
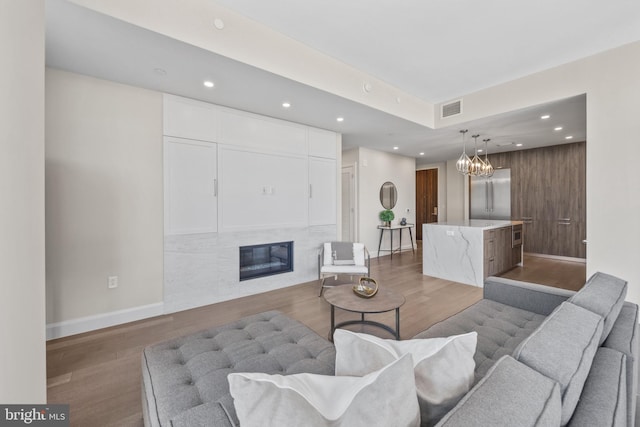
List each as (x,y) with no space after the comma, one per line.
(387,216)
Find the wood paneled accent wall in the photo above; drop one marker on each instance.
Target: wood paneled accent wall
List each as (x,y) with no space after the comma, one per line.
(548,193)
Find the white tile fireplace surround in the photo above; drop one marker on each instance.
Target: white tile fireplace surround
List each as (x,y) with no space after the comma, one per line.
(203,269)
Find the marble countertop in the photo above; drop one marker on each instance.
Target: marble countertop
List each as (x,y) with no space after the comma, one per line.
(485,224)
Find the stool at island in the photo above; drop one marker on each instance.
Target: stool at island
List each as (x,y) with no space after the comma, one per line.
(391,228)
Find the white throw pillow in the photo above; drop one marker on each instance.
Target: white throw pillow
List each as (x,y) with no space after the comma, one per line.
(443,367)
(385,397)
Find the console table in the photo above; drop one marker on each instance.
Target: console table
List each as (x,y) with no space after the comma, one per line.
(391,228)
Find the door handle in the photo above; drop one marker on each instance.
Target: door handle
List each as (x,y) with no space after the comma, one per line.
(215,188)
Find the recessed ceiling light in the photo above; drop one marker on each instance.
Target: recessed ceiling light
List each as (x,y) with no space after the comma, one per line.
(395,148)
(568,137)
(286,104)
(480,150)
(218,23)
(545,117)
(340,119)
(422,154)
(209,84)
(557,128)
(519,144)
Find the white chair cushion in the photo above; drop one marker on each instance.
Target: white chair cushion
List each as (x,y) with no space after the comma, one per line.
(343,269)
(443,367)
(385,397)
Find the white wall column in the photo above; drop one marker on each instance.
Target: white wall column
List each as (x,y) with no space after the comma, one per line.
(22,257)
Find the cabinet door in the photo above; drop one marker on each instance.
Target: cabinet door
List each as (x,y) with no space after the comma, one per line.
(322,191)
(322,143)
(262,190)
(190,187)
(490,264)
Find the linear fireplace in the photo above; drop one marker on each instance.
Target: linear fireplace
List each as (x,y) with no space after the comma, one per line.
(265,260)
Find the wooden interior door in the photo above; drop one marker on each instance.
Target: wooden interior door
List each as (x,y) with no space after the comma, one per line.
(426,199)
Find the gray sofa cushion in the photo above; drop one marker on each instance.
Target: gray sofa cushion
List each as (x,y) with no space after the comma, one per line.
(603,402)
(603,294)
(500,329)
(624,338)
(511,394)
(562,348)
(185,379)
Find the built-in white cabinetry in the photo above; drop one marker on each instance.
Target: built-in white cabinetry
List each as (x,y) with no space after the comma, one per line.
(187,118)
(261,190)
(323,143)
(190,186)
(229,170)
(242,129)
(322,191)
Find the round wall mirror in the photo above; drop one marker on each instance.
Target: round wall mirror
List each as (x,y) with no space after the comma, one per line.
(388,195)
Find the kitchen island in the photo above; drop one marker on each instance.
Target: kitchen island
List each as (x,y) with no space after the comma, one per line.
(470,251)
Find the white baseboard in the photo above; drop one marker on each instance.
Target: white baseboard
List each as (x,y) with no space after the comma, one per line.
(105,320)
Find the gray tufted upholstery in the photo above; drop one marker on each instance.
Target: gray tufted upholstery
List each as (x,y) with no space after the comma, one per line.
(500,329)
(185,379)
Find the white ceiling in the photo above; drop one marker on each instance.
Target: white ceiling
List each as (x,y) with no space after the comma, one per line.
(433,58)
(442,49)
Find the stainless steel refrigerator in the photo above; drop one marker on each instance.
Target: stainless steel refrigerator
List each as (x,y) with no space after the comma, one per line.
(491,197)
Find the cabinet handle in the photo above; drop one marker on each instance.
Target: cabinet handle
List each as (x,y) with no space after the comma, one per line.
(215,188)
(564,219)
(564,223)
(527,222)
(310,192)
(527,217)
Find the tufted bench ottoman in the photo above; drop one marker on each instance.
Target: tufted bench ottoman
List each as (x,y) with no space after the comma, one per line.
(185,379)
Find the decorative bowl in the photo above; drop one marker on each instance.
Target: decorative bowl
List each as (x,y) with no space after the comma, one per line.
(366,287)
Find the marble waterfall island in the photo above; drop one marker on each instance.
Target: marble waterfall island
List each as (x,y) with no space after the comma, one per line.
(469,251)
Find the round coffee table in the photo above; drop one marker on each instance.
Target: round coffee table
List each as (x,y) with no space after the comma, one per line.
(344,298)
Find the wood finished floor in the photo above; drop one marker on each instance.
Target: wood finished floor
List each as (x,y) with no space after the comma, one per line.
(99,373)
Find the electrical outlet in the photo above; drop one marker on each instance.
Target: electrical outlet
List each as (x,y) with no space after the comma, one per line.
(112,282)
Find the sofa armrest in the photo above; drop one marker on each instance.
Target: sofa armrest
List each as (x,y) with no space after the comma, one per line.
(532,297)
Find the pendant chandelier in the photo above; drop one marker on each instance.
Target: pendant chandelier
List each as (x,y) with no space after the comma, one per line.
(477,165)
(474,166)
(463,163)
(488,168)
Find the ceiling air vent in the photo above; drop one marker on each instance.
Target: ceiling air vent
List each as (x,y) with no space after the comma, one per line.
(451,109)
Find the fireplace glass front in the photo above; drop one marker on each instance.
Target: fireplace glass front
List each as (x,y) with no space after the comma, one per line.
(265,260)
